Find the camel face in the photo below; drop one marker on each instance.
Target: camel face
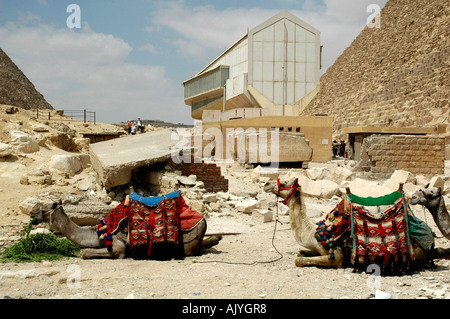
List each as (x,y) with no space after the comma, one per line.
(40,214)
(282,189)
(426,197)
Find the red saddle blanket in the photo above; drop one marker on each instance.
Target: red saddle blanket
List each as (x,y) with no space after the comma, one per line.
(375,236)
(383,236)
(153,228)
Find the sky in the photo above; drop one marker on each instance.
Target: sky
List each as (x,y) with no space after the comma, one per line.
(128,59)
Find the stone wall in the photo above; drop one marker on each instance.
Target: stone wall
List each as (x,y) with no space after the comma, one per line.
(416,154)
(397,75)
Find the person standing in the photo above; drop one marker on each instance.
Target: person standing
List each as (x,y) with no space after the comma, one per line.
(335,148)
(129,127)
(139,125)
(342,149)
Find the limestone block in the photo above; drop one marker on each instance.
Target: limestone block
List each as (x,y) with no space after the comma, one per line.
(210,198)
(130,153)
(437,181)
(197,205)
(5,150)
(223,195)
(187,180)
(69,164)
(169,181)
(23,142)
(318,189)
(422,181)
(262,215)
(39,127)
(364,188)
(247,206)
(399,176)
(29,204)
(315,173)
(256,174)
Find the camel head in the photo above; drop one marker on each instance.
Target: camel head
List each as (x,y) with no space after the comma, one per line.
(42,214)
(284,187)
(428,197)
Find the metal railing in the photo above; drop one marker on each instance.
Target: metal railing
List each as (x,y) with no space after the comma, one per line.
(82,115)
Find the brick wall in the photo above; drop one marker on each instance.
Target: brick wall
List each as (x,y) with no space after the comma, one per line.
(416,154)
(208,173)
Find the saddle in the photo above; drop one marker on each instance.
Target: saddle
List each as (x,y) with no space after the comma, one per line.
(380,227)
(153,225)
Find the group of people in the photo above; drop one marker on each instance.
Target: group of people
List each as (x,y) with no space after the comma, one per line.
(135,126)
(338,148)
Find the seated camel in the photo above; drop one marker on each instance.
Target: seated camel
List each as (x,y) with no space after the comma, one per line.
(193,241)
(315,253)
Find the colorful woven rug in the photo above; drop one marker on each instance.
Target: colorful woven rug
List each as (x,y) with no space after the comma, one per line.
(379,228)
(381,236)
(154,230)
(154,225)
(330,230)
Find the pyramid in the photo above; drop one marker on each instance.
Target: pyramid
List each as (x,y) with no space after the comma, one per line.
(16,89)
(393,76)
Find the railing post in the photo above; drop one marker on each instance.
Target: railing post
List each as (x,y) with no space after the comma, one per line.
(84,115)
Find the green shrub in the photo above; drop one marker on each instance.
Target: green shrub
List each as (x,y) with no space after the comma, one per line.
(38,247)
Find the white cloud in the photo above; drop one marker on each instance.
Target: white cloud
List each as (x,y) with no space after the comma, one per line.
(201,30)
(149,48)
(90,70)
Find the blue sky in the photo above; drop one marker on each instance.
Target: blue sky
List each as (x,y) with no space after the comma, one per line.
(129,58)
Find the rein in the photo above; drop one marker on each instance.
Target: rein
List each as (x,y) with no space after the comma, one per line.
(293,187)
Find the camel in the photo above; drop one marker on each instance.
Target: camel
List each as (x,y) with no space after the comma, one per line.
(53,214)
(432,199)
(312,252)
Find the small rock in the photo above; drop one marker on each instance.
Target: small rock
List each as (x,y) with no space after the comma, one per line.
(439,293)
(5,150)
(385,295)
(46,263)
(210,198)
(29,204)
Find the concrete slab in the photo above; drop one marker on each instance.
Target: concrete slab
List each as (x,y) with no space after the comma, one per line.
(115,159)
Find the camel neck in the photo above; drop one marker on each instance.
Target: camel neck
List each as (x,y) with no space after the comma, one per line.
(82,236)
(297,212)
(441,218)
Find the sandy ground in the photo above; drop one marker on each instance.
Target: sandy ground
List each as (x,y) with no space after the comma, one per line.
(247,265)
(241,266)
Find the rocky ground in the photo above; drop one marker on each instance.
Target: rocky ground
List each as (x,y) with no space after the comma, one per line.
(257,263)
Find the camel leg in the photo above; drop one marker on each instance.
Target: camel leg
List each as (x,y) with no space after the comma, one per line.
(322,261)
(210,242)
(118,251)
(306,253)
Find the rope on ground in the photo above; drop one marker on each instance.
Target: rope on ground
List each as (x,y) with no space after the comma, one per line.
(255,262)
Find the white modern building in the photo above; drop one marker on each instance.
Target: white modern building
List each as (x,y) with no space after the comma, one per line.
(273,70)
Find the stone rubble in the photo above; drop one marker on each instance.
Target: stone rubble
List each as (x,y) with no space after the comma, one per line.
(322,187)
